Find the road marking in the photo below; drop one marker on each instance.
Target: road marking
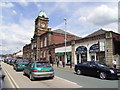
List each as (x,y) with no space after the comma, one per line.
(9,79)
(68,81)
(13,83)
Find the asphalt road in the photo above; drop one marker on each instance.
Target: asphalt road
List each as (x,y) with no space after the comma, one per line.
(15,79)
(86,81)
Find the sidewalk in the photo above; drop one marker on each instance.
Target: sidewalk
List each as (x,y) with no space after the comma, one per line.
(64,68)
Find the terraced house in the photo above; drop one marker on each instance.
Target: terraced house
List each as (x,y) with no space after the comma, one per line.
(48,44)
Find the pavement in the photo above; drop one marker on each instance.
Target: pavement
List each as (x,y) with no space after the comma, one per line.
(67,67)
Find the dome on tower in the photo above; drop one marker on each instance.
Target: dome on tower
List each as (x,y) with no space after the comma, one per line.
(42,14)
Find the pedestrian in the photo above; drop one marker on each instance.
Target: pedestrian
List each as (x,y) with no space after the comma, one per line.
(57,62)
(114,63)
(63,63)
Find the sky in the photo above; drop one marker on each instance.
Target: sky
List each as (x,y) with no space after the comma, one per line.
(83,17)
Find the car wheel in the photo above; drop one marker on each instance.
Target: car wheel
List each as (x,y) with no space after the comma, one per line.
(102,75)
(24,72)
(52,77)
(79,72)
(31,77)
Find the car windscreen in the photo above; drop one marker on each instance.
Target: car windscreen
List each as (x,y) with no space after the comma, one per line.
(43,64)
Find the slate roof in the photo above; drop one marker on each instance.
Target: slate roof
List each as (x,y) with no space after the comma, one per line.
(61,32)
(99,32)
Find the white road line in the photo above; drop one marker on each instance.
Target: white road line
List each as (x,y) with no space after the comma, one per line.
(11,80)
(68,81)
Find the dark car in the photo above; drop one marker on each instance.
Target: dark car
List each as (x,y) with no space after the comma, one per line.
(38,69)
(96,69)
(20,64)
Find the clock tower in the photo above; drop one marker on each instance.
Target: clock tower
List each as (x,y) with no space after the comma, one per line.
(41,23)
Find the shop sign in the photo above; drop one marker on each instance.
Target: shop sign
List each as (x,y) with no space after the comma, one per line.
(94,48)
(63,53)
(81,50)
(59,54)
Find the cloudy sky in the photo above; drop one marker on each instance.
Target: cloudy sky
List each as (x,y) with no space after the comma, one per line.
(17,20)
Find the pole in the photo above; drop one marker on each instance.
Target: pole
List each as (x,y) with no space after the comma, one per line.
(64,63)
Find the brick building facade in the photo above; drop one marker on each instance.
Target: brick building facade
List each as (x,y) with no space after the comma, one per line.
(48,44)
(42,46)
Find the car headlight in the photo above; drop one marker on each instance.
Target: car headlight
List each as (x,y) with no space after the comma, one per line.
(112,71)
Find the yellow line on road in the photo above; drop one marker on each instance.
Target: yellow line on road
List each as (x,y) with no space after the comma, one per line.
(15,85)
(9,79)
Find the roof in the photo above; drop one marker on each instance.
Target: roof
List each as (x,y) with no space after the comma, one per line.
(61,32)
(42,14)
(99,32)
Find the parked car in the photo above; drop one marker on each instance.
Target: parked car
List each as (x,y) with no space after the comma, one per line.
(20,64)
(12,61)
(38,69)
(96,69)
(5,60)
(9,60)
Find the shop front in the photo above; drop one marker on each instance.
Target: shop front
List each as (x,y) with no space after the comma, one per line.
(61,55)
(81,54)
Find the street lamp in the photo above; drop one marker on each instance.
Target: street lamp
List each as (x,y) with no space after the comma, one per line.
(65,41)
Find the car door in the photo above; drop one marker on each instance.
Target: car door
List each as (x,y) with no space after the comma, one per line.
(30,68)
(93,70)
(85,67)
(27,68)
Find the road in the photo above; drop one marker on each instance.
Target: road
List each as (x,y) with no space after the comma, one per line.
(63,79)
(15,79)
(85,81)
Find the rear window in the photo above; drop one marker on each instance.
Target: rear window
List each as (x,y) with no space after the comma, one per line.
(25,61)
(43,64)
(22,61)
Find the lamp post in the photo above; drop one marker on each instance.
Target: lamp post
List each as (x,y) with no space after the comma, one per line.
(64,63)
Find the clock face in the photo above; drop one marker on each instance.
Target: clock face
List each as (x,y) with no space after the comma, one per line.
(43,25)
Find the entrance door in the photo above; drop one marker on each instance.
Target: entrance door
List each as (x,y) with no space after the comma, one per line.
(83,57)
(92,57)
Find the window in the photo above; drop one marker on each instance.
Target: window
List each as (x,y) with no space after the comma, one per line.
(41,54)
(45,41)
(43,64)
(44,53)
(41,43)
(34,44)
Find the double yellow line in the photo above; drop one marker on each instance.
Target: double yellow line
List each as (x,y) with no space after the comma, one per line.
(11,80)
